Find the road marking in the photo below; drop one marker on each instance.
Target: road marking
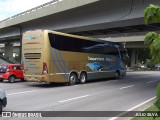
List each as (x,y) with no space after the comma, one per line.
(152,81)
(143,76)
(22,92)
(131,109)
(74,98)
(127,87)
(141,104)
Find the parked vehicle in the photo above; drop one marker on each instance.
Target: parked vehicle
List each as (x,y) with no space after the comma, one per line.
(157,66)
(11,72)
(3,99)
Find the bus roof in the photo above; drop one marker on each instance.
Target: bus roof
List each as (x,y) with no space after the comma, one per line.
(71,35)
(78,36)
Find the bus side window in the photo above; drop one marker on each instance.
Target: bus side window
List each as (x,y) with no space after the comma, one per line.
(111,51)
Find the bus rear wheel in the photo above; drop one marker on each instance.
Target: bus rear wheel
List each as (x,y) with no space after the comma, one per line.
(73,79)
(83,78)
(117,74)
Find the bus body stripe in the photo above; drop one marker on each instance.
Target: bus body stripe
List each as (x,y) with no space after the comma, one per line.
(59,64)
(54,62)
(63,62)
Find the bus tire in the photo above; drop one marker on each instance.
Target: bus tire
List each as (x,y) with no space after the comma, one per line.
(73,79)
(117,74)
(52,83)
(83,78)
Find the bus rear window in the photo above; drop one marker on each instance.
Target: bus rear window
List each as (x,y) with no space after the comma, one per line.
(32,55)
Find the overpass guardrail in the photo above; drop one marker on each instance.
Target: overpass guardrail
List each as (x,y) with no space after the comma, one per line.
(32,10)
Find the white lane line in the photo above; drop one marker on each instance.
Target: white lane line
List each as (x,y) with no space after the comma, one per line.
(74,98)
(22,92)
(131,109)
(141,104)
(127,87)
(152,81)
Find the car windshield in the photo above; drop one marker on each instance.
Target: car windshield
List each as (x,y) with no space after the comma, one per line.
(3,69)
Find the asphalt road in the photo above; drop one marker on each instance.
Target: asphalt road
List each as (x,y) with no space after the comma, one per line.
(100,95)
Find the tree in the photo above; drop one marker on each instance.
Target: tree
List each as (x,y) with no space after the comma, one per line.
(152,39)
(152,14)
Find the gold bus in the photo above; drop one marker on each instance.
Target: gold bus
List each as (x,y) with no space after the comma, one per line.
(50,56)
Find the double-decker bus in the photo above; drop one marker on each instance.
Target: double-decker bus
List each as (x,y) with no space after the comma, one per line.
(50,56)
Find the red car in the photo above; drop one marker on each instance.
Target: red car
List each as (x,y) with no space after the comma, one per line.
(11,72)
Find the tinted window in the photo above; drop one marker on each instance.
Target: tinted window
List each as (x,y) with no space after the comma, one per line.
(111,51)
(17,67)
(66,43)
(3,69)
(32,55)
(14,67)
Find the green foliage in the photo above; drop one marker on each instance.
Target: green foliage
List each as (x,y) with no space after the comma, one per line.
(150,37)
(152,14)
(152,40)
(158,91)
(143,56)
(150,109)
(150,64)
(157,103)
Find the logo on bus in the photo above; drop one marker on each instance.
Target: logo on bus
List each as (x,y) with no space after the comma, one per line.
(33,37)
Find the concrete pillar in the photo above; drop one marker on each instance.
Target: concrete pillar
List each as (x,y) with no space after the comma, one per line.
(9,51)
(137,61)
(133,58)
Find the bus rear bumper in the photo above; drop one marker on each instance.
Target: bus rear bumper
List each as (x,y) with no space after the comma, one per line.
(34,78)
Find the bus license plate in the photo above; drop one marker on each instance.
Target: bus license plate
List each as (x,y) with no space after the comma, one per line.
(32,78)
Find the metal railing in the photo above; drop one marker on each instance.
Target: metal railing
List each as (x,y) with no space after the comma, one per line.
(32,10)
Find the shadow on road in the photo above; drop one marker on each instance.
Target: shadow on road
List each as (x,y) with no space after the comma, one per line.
(48,85)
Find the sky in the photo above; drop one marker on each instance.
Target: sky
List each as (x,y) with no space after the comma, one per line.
(9,8)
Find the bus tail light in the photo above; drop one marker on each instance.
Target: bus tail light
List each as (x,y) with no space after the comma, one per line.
(45,69)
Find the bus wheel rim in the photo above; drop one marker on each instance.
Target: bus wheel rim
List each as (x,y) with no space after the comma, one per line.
(83,78)
(117,74)
(73,79)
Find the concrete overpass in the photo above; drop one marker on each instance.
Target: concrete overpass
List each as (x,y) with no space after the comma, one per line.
(98,18)
(138,52)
